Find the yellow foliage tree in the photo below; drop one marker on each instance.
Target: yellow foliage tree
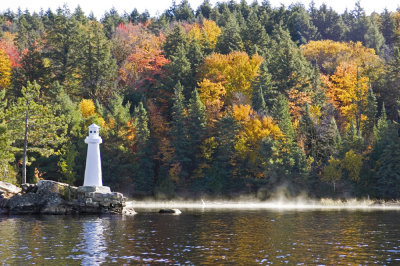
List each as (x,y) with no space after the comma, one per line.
(235,71)
(206,33)
(328,55)
(5,70)
(349,90)
(352,163)
(87,108)
(212,95)
(332,172)
(253,129)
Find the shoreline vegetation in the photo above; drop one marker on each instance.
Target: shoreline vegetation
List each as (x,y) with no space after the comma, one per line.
(222,101)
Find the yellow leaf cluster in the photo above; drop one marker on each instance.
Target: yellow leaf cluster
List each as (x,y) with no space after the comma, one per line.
(349,89)
(206,33)
(212,95)
(254,129)
(87,108)
(330,54)
(352,162)
(5,70)
(235,71)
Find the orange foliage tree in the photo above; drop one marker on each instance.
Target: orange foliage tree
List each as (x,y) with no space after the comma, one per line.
(7,44)
(138,53)
(348,89)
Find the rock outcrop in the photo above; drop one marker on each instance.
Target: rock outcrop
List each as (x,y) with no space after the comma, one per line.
(50,197)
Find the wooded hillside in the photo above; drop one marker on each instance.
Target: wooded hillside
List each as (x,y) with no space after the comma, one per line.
(222,100)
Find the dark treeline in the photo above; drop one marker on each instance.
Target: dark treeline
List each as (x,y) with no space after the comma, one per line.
(222,100)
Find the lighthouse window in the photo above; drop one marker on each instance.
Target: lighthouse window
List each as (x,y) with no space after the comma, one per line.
(90,132)
(94,131)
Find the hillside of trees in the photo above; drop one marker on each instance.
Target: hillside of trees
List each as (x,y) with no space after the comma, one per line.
(222,100)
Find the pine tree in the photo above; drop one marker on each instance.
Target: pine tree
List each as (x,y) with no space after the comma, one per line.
(220,176)
(230,39)
(280,112)
(180,71)
(289,67)
(179,136)
(388,27)
(254,35)
(6,152)
(42,131)
(196,128)
(144,173)
(391,92)
(258,102)
(370,112)
(63,45)
(301,26)
(204,9)
(309,133)
(97,67)
(175,40)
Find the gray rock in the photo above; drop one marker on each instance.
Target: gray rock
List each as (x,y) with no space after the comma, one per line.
(9,188)
(50,197)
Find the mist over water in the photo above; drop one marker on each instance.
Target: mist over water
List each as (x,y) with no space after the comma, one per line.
(280,203)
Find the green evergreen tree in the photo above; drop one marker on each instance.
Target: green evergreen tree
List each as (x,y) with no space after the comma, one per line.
(301,26)
(230,39)
(329,23)
(6,151)
(36,128)
(258,102)
(180,71)
(254,35)
(289,67)
(175,40)
(179,136)
(63,45)
(220,175)
(391,90)
(144,169)
(97,67)
(353,140)
(111,20)
(196,129)
(32,68)
(204,9)
(370,112)
(388,27)
(280,112)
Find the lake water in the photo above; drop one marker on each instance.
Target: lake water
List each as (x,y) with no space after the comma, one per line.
(242,236)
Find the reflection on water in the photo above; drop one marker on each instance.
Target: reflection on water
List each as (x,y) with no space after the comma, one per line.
(93,245)
(205,237)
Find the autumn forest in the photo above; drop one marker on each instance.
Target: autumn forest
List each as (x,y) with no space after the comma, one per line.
(222,100)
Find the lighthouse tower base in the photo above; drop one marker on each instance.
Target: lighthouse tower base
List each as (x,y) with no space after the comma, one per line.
(99,189)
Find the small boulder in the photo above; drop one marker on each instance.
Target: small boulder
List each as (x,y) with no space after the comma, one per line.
(128,211)
(170,211)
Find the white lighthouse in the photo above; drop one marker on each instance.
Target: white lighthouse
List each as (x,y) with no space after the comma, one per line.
(93,163)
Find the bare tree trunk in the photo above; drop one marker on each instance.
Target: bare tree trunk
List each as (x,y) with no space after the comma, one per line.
(25,147)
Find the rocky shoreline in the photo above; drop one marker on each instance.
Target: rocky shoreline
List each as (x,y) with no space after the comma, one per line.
(50,197)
